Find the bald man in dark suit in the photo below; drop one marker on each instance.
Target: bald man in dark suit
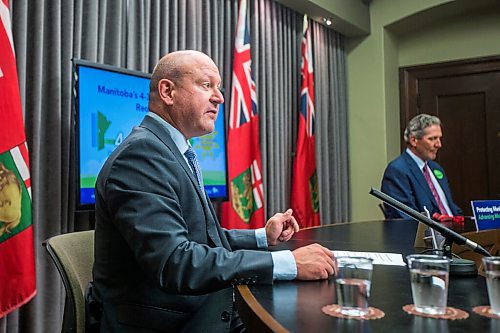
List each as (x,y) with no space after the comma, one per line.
(162,261)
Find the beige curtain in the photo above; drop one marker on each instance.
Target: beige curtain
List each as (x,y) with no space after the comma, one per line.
(135,34)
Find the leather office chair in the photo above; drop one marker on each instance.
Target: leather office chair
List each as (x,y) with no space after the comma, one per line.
(73,255)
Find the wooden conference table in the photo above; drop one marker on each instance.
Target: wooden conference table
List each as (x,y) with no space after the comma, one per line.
(295,306)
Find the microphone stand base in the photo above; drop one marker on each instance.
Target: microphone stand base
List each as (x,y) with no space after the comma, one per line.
(462,268)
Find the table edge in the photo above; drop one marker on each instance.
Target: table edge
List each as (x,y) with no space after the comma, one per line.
(250,307)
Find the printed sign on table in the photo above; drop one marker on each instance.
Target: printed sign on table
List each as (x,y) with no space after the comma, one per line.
(486,213)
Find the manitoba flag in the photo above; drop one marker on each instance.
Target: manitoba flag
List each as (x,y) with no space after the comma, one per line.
(245,209)
(304,197)
(17,268)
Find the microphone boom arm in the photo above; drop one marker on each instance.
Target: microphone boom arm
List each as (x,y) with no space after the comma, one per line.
(446,232)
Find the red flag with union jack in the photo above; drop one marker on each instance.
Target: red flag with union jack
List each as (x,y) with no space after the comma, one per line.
(17,268)
(304,197)
(245,209)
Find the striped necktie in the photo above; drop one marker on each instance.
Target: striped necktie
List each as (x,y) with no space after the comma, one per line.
(427,176)
(195,166)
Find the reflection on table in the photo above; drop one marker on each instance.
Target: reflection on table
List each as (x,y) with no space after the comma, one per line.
(295,306)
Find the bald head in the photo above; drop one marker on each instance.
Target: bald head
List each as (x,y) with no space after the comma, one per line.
(185,91)
(175,65)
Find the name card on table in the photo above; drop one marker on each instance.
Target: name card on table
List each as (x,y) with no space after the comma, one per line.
(486,213)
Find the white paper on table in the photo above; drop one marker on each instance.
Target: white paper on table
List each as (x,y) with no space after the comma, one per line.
(379,258)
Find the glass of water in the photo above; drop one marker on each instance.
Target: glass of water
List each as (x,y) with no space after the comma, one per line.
(353,284)
(429,276)
(492,270)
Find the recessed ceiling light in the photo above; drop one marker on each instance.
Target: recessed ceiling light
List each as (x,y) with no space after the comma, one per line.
(327,21)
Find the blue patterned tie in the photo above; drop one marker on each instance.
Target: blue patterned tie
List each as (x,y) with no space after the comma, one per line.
(195,166)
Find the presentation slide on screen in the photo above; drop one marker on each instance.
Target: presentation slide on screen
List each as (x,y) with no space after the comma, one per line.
(211,152)
(110,105)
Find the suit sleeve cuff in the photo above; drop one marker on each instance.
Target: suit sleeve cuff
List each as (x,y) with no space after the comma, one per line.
(284,267)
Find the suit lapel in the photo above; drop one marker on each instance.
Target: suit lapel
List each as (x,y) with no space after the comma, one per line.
(442,182)
(212,230)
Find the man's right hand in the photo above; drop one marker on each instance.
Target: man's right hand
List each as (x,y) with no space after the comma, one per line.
(314,262)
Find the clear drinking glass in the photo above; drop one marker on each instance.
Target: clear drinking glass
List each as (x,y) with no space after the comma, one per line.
(492,270)
(353,284)
(429,276)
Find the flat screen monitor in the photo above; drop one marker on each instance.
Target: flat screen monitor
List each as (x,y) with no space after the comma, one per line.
(108,102)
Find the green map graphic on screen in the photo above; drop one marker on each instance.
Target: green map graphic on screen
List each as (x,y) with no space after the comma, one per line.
(110,104)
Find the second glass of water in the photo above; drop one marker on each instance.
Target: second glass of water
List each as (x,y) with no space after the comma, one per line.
(429,276)
(492,270)
(353,284)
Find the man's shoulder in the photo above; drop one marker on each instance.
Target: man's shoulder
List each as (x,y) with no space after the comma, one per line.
(140,146)
(400,162)
(145,137)
(139,139)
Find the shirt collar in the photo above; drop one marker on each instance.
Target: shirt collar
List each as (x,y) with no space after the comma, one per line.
(420,162)
(180,141)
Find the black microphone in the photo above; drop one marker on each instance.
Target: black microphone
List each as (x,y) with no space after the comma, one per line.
(446,232)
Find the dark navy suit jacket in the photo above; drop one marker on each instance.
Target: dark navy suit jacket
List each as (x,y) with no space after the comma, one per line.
(162,261)
(404,181)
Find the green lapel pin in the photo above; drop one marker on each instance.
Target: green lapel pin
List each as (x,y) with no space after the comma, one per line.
(438,174)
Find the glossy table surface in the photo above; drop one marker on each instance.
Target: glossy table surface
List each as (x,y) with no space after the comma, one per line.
(295,306)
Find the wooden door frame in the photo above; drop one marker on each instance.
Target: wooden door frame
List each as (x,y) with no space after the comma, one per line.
(409,77)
